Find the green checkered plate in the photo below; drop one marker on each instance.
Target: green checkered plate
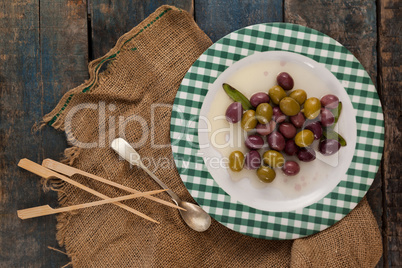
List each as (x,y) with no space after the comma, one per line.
(243,217)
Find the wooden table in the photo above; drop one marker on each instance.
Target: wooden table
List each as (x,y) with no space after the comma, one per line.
(45,47)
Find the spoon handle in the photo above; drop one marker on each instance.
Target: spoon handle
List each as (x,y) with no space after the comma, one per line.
(172,194)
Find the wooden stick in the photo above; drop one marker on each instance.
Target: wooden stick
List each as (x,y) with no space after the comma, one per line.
(47,210)
(47,173)
(70,171)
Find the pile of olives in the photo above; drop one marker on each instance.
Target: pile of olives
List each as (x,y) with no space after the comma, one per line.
(289,122)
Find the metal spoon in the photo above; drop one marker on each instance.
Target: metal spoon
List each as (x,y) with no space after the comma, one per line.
(195,217)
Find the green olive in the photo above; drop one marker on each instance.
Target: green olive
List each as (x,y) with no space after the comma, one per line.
(289,106)
(304,138)
(299,95)
(264,113)
(276,93)
(266,174)
(236,161)
(274,158)
(312,108)
(248,121)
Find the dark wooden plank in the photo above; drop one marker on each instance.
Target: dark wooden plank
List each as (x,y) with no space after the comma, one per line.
(112,19)
(38,57)
(390,24)
(353,24)
(218,18)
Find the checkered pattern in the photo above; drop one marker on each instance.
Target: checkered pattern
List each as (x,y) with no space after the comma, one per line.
(369,118)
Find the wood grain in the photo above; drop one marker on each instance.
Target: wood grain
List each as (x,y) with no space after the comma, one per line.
(390,24)
(112,19)
(218,18)
(40,59)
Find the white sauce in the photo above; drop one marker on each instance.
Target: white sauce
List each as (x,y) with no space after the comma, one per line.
(225,137)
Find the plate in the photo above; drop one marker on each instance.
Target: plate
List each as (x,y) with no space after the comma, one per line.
(246,218)
(257,73)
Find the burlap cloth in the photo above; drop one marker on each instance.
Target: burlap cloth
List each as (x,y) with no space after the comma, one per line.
(146,66)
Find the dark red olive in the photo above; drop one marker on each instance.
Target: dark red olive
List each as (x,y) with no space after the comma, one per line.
(291,148)
(306,154)
(298,120)
(252,160)
(285,81)
(254,142)
(288,130)
(329,101)
(291,168)
(316,128)
(276,141)
(326,117)
(234,112)
(259,98)
(278,116)
(265,129)
(329,146)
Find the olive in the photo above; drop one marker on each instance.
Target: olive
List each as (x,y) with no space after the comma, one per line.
(236,161)
(288,130)
(266,174)
(289,106)
(316,128)
(252,160)
(291,148)
(291,168)
(234,112)
(276,93)
(299,95)
(304,138)
(254,142)
(329,146)
(259,98)
(273,158)
(298,120)
(312,108)
(278,116)
(306,154)
(329,101)
(265,129)
(248,121)
(276,141)
(264,113)
(326,117)
(285,81)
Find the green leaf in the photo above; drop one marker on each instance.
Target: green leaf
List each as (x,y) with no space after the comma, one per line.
(330,134)
(337,112)
(237,96)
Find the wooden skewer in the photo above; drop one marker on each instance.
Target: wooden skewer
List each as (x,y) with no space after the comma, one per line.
(70,171)
(47,173)
(47,210)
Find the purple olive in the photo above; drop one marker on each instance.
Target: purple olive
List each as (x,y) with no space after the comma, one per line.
(234,112)
(278,116)
(306,154)
(316,128)
(329,101)
(291,148)
(288,130)
(285,81)
(291,168)
(265,129)
(276,141)
(326,117)
(259,98)
(253,160)
(329,146)
(298,120)
(254,142)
